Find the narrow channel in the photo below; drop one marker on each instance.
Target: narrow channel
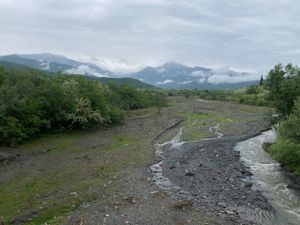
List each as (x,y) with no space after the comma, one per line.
(269,177)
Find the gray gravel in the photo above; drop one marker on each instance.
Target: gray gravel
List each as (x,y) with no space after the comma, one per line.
(211,172)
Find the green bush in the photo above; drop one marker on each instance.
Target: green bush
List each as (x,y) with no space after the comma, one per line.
(287,148)
(286,152)
(33,102)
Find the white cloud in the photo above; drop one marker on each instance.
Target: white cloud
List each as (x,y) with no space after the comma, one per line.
(187,82)
(199,74)
(85,70)
(118,66)
(227,78)
(45,65)
(165,82)
(253,35)
(202,80)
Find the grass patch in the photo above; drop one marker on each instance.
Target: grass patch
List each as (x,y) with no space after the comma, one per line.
(191,136)
(197,124)
(201,119)
(44,186)
(121,140)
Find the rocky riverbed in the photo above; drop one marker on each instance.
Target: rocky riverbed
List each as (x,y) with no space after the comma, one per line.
(134,174)
(211,174)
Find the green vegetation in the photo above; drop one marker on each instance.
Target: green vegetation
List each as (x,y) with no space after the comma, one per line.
(76,170)
(284,86)
(197,124)
(34,102)
(131,82)
(287,148)
(252,95)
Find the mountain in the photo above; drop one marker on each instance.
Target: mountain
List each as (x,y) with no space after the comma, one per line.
(169,75)
(131,82)
(55,63)
(175,75)
(13,66)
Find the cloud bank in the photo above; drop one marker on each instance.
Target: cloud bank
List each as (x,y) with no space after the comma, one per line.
(252,35)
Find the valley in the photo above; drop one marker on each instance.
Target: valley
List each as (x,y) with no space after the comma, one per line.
(104,176)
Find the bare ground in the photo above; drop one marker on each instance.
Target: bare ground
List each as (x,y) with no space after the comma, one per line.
(103,177)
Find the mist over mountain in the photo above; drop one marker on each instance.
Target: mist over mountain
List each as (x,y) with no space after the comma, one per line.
(175,75)
(55,63)
(169,75)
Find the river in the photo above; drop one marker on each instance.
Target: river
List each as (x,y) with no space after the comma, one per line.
(269,177)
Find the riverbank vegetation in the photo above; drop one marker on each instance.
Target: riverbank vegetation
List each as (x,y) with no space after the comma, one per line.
(252,95)
(34,102)
(284,86)
(280,90)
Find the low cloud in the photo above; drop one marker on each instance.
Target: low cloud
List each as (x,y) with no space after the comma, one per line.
(85,70)
(118,66)
(200,74)
(165,82)
(187,82)
(253,35)
(227,78)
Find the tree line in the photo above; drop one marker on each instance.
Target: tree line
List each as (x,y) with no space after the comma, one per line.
(33,102)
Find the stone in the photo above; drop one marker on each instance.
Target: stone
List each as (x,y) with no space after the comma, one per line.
(222,204)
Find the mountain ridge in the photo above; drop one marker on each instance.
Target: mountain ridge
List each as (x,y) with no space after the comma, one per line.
(169,75)
(176,75)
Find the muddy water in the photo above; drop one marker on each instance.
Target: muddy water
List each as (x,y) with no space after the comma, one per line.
(271,180)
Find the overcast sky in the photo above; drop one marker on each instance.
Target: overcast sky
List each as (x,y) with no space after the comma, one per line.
(250,35)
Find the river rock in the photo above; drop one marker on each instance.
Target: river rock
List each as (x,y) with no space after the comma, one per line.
(189,174)
(293,186)
(222,204)
(5,157)
(266,145)
(248,184)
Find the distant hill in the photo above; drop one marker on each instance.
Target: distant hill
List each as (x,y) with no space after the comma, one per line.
(175,75)
(55,63)
(131,82)
(13,66)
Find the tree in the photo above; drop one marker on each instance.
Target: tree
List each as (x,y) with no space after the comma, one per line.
(284,86)
(261,82)
(83,115)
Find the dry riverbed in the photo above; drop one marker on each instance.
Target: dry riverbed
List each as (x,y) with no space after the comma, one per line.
(103,176)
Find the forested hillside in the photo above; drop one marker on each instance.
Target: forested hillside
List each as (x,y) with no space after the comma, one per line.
(34,103)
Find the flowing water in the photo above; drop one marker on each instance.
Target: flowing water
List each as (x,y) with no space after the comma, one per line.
(159,179)
(271,180)
(267,177)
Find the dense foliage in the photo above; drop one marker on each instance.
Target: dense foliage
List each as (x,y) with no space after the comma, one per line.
(284,86)
(33,102)
(252,95)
